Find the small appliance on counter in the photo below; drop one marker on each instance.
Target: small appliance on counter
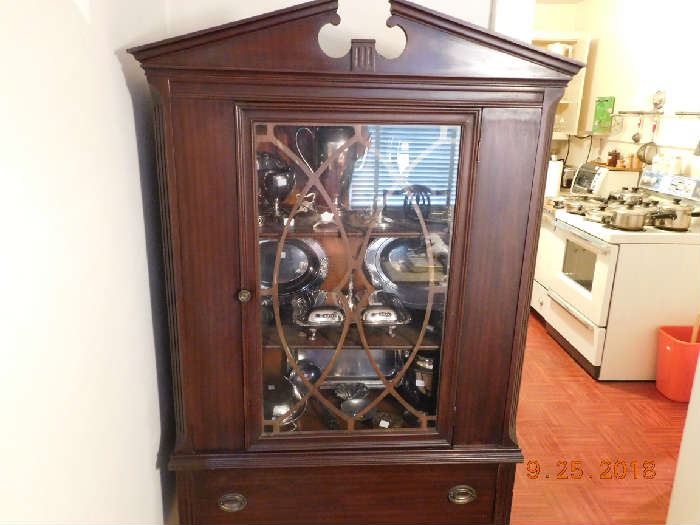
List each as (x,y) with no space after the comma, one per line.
(600,181)
(567,177)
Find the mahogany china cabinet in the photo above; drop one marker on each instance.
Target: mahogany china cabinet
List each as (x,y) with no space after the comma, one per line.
(349,250)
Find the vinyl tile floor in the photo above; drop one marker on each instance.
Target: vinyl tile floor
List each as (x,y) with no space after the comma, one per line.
(595,452)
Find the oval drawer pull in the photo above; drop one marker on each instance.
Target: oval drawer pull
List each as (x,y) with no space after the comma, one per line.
(232,502)
(461,494)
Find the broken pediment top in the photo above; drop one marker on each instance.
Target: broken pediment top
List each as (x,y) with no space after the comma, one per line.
(287,41)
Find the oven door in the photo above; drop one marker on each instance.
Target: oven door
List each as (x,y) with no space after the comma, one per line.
(583,271)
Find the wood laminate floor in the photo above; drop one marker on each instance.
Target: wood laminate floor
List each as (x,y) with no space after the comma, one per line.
(566,416)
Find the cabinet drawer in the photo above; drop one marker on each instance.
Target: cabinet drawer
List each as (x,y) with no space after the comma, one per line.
(344,495)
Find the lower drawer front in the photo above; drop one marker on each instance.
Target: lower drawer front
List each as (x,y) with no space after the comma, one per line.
(345,495)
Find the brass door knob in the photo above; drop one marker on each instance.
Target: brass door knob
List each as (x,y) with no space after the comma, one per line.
(232,502)
(461,494)
(244,296)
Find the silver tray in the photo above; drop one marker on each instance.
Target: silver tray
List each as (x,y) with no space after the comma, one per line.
(303,266)
(353,366)
(399,266)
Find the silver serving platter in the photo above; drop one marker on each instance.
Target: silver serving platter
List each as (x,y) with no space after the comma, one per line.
(303,266)
(399,266)
(353,366)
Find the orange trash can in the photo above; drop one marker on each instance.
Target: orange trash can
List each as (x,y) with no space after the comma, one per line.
(676,360)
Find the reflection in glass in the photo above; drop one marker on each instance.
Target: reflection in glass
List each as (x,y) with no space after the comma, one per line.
(355,225)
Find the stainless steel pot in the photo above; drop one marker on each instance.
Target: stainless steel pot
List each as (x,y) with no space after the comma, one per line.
(581,205)
(682,217)
(631,196)
(598,214)
(633,218)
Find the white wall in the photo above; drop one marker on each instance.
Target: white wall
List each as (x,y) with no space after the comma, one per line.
(639,46)
(514,18)
(78,395)
(684,508)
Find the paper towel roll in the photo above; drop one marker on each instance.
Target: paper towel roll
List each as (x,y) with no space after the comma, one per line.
(554,171)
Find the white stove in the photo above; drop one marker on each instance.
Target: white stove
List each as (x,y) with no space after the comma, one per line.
(604,292)
(649,235)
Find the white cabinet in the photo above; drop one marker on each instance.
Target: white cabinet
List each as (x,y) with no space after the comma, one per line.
(573,45)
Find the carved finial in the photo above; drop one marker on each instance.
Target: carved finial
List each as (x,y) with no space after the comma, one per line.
(362,54)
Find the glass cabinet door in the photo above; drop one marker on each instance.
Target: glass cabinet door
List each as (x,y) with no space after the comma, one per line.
(354,237)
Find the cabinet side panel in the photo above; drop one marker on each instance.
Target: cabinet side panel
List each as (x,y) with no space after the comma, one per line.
(170,290)
(497,238)
(204,135)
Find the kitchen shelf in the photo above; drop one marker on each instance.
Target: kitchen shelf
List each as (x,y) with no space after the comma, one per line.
(569,108)
(615,168)
(638,113)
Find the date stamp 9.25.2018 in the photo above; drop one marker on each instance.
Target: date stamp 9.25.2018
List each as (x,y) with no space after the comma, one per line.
(607,469)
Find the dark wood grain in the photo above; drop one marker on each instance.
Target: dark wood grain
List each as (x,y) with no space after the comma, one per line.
(210,340)
(527,272)
(210,88)
(497,236)
(451,47)
(346,495)
(350,456)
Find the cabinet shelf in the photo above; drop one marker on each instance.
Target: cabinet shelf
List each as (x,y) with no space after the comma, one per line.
(318,418)
(403,339)
(399,227)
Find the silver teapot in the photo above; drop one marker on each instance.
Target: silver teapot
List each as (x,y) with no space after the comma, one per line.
(277,180)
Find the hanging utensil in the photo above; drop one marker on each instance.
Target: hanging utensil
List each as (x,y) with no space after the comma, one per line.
(649,150)
(637,136)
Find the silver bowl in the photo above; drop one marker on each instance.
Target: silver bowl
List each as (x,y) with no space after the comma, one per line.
(352,407)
